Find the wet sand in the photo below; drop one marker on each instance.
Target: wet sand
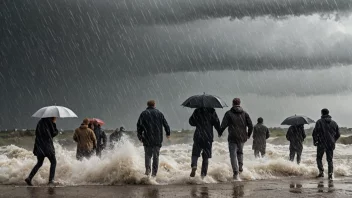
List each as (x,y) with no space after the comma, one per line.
(288,187)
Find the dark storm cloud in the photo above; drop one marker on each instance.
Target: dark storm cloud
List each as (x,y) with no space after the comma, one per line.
(100,57)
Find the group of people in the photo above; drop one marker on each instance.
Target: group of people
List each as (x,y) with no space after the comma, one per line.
(90,137)
(240,129)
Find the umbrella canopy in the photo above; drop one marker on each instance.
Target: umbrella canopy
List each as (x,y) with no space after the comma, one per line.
(54,111)
(297,120)
(205,100)
(100,122)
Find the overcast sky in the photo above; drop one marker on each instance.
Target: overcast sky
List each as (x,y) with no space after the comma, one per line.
(105,58)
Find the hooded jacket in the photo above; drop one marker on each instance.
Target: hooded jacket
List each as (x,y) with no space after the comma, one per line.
(150,127)
(237,120)
(45,132)
(326,132)
(85,138)
(204,119)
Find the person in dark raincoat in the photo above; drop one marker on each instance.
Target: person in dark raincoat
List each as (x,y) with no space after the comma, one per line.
(260,134)
(296,136)
(204,119)
(115,137)
(101,138)
(86,141)
(150,131)
(44,147)
(325,135)
(238,121)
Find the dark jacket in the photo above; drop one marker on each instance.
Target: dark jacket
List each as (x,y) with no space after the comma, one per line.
(260,134)
(44,133)
(115,136)
(326,132)
(204,119)
(237,120)
(150,127)
(101,137)
(296,136)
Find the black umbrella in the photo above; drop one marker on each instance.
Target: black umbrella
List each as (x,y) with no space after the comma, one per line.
(205,100)
(297,120)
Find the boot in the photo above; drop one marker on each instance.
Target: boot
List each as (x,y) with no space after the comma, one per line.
(147,172)
(193,173)
(321,174)
(330,177)
(28,181)
(235,176)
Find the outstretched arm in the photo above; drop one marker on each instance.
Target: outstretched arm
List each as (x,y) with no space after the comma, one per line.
(216,123)
(224,124)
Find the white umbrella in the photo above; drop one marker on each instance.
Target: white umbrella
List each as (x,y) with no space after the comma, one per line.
(54,111)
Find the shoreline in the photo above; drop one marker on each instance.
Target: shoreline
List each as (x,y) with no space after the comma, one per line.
(283,187)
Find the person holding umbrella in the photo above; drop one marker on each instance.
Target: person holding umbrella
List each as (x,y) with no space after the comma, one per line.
(296,134)
(100,136)
(45,132)
(238,121)
(325,135)
(204,118)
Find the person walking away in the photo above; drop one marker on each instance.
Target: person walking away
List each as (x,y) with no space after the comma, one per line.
(101,138)
(204,119)
(237,121)
(86,140)
(116,136)
(296,136)
(260,135)
(325,135)
(44,147)
(150,131)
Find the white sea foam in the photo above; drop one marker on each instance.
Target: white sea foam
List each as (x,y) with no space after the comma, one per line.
(125,165)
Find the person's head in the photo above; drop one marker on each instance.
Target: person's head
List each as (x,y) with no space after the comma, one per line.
(53,119)
(122,129)
(151,103)
(236,102)
(324,112)
(95,123)
(260,120)
(85,121)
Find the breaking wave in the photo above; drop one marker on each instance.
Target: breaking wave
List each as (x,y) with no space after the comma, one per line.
(125,165)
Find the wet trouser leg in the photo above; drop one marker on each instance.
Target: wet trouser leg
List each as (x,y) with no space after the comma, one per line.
(52,160)
(205,164)
(40,160)
(320,154)
(299,154)
(256,153)
(196,150)
(156,152)
(329,157)
(240,156)
(233,147)
(292,153)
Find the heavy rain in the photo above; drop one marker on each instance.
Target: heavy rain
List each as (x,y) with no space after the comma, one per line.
(105,59)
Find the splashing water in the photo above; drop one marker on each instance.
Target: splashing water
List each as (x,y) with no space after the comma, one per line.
(125,165)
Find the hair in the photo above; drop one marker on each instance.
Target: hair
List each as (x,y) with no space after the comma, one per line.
(260,120)
(325,111)
(151,103)
(85,121)
(236,101)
